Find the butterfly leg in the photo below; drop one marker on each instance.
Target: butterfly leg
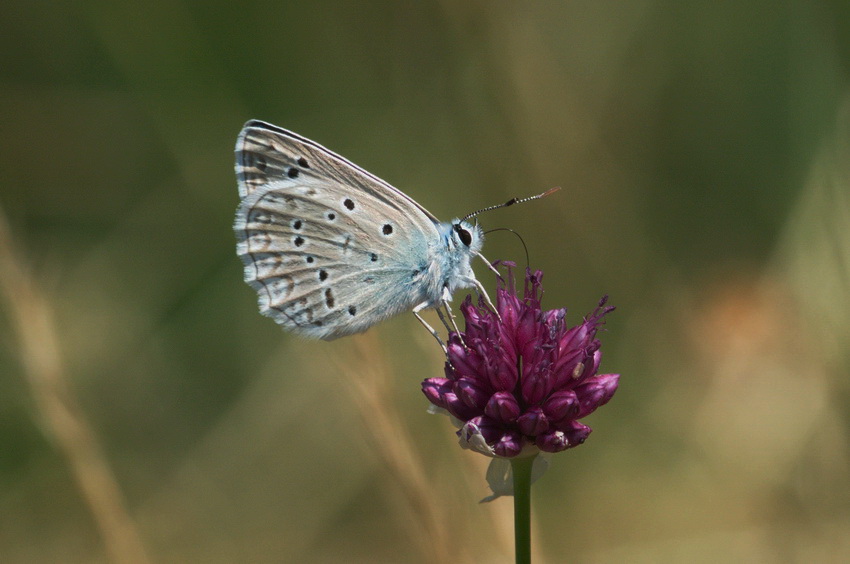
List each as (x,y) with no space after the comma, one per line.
(489,264)
(445,303)
(481,289)
(430,329)
(442,317)
(482,292)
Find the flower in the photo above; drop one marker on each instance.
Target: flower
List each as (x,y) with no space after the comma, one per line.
(518,382)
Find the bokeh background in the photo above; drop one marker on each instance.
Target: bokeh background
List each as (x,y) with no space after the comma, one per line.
(148,413)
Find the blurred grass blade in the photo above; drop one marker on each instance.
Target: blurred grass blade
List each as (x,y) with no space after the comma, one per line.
(31,318)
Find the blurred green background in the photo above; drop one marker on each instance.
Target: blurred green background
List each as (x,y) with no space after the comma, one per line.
(704,155)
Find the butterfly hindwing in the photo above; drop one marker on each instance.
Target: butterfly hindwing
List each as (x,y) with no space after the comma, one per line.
(329,248)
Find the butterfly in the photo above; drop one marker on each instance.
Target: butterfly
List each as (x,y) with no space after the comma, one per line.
(331,249)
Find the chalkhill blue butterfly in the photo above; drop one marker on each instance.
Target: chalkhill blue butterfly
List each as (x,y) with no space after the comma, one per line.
(331,249)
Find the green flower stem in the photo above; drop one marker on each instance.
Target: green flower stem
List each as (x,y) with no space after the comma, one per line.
(521,468)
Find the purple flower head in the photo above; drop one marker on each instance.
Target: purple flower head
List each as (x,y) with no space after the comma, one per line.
(518,382)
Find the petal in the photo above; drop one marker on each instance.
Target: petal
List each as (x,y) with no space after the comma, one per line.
(508,306)
(471,392)
(528,331)
(553,441)
(573,339)
(503,407)
(505,334)
(592,363)
(568,436)
(458,408)
(476,322)
(536,385)
(489,429)
(565,367)
(464,361)
(435,389)
(561,405)
(575,432)
(533,422)
(595,392)
(510,444)
(503,375)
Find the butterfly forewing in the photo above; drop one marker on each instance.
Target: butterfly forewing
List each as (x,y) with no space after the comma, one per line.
(329,248)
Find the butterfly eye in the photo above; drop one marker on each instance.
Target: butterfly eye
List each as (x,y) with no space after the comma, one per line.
(465,236)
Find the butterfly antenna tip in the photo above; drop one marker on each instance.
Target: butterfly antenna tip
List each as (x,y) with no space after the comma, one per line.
(511,202)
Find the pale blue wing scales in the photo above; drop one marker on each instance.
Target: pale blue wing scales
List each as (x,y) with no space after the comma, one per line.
(329,249)
(267,153)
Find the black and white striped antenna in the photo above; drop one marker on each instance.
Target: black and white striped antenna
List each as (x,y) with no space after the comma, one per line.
(511,202)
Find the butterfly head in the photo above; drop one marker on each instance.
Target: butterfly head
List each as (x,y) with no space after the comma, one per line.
(466,236)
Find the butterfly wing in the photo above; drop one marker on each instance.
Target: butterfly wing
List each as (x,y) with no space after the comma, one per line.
(330,248)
